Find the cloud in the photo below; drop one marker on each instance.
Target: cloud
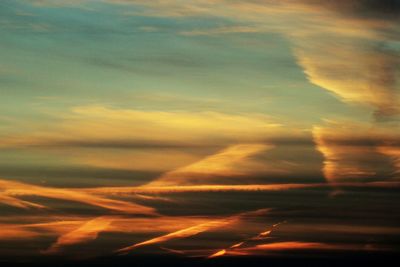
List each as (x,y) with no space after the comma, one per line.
(135,140)
(154,160)
(232,161)
(349,55)
(356,151)
(346,53)
(15,233)
(26,227)
(263,249)
(13,189)
(187,232)
(74,230)
(394,154)
(128,191)
(362,8)
(353,72)
(219,253)
(15,202)
(261,236)
(86,232)
(91,125)
(194,230)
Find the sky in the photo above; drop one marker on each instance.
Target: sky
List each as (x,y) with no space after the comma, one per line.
(198,128)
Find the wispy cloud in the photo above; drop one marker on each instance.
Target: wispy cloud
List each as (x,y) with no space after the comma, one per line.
(91,125)
(15,202)
(232,161)
(15,189)
(261,236)
(194,230)
(344,54)
(263,249)
(86,232)
(234,188)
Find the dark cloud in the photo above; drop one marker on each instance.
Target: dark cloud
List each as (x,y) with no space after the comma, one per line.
(367,8)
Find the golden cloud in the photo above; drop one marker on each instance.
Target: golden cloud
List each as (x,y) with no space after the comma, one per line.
(357,152)
(86,232)
(232,161)
(194,230)
(97,125)
(14,189)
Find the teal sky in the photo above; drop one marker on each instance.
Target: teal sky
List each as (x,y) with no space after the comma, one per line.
(98,53)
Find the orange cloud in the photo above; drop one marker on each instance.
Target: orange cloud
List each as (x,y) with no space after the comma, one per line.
(13,189)
(15,202)
(218,254)
(264,249)
(75,230)
(297,245)
(28,230)
(394,154)
(187,232)
(291,245)
(86,232)
(232,161)
(10,232)
(356,152)
(235,247)
(194,230)
(233,188)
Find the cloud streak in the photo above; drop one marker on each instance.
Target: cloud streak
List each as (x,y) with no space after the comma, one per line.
(261,236)
(194,230)
(13,189)
(88,126)
(85,233)
(232,161)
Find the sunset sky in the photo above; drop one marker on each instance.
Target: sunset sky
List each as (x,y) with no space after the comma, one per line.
(199,128)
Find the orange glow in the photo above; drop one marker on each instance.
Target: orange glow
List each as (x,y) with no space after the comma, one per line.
(237,245)
(347,152)
(201,188)
(12,232)
(74,230)
(293,245)
(87,123)
(298,245)
(88,231)
(233,249)
(15,202)
(174,251)
(394,154)
(187,232)
(218,254)
(194,230)
(232,188)
(232,161)
(11,188)
(265,233)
